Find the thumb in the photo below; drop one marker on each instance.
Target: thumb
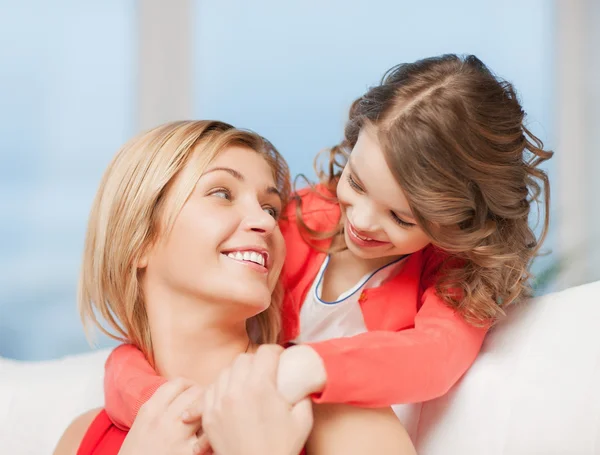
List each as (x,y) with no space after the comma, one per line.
(194,412)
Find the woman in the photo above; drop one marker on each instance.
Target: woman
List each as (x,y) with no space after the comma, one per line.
(182,259)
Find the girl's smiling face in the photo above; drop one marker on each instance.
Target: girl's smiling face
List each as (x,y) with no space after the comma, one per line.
(378,221)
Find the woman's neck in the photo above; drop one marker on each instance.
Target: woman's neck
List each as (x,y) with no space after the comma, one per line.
(200,360)
(195,340)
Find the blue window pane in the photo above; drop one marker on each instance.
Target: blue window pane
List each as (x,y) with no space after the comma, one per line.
(290,70)
(67,100)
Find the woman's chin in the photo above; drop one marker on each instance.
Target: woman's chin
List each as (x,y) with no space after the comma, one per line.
(251,306)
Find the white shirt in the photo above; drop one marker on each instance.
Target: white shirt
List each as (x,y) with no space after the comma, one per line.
(321,320)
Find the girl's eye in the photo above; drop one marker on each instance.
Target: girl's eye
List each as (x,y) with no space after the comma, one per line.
(272,211)
(400,221)
(354,184)
(221,193)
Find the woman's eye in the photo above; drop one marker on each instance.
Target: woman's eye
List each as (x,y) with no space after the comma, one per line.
(221,193)
(272,211)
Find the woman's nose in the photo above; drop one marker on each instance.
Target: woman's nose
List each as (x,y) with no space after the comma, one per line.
(260,221)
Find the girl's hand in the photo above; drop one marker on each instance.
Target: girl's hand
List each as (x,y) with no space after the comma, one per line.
(244,414)
(301,373)
(158,428)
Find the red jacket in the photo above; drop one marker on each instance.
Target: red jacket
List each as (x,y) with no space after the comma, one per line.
(416,347)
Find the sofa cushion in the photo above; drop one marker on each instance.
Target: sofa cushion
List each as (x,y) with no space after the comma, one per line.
(534,389)
(38,400)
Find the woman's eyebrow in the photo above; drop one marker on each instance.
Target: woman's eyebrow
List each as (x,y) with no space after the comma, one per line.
(240,177)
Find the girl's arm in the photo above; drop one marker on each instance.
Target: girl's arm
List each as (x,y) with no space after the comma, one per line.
(373,369)
(381,368)
(129,382)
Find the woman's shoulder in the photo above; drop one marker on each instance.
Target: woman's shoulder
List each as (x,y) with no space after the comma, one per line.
(71,439)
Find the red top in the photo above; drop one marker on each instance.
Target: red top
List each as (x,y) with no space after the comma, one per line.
(416,347)
(102,437)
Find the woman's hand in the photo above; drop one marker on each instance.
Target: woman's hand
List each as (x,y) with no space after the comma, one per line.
(301,372)
(244,414)
(159,429)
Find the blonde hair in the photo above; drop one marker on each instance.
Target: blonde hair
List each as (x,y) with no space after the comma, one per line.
(129,212)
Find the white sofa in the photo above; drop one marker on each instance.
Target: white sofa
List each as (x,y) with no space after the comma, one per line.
(535,389)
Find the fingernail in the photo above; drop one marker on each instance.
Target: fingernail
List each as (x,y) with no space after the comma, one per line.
(185,415)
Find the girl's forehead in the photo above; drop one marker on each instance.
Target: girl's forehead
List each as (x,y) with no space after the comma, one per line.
(367,162)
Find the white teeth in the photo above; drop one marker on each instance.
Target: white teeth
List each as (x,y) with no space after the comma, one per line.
(260,259)
(361,237)
(251,256)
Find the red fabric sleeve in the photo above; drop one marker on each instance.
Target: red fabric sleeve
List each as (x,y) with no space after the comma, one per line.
(377,368)
(129,381)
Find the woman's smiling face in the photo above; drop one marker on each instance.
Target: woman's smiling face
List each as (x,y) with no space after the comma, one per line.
(225,244)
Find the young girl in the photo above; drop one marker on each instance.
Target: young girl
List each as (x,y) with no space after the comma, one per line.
(408,250)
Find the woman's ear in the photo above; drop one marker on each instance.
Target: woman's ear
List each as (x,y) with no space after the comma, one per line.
(142,261)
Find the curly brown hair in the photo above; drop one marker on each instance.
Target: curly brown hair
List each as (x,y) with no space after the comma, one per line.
(453,135)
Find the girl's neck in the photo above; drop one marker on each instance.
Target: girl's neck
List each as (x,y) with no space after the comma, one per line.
(353,264)
(344,270)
